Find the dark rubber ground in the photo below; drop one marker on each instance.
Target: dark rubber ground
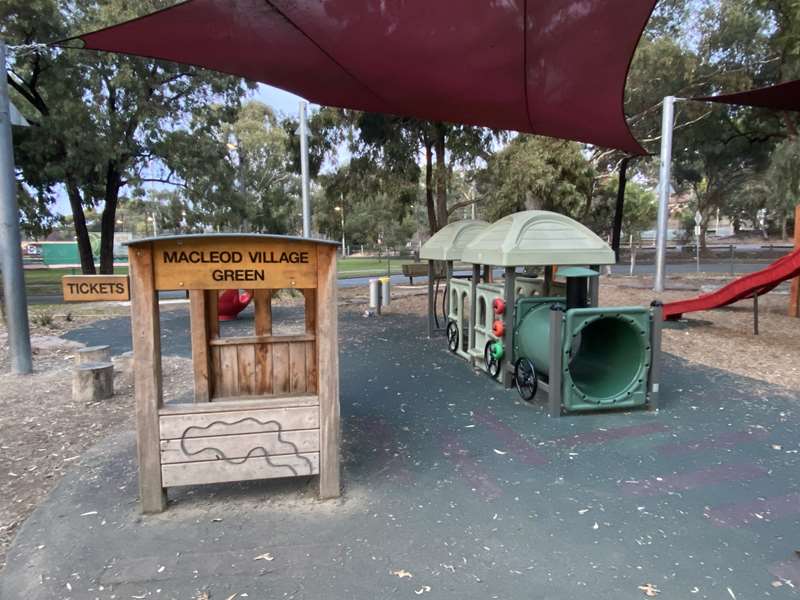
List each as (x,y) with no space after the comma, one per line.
(453,489)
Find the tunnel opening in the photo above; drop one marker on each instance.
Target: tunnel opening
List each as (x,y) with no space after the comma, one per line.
(608,358)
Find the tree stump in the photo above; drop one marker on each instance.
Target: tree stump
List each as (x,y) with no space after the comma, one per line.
(93,381)
(93,354)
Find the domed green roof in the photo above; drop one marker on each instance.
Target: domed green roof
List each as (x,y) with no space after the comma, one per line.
(537,237)
(448,243)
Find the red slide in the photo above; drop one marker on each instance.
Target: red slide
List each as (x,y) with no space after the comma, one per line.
(748,286)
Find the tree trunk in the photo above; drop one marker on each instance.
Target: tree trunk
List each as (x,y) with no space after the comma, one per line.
(432,224)
(81,233)
(109,219)
(616,234)
(441,174)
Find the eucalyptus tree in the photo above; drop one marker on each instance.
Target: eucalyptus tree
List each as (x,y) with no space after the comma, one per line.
(98,119)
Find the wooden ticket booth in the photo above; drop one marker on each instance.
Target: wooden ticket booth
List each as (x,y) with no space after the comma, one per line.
(265,405)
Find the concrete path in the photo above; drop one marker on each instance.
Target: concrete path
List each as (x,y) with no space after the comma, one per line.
(454,489)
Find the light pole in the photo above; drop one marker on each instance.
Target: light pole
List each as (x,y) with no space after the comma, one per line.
(16,303)
(304,169)
(340,210)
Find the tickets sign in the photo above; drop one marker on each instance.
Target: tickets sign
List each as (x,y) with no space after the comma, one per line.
(95,288)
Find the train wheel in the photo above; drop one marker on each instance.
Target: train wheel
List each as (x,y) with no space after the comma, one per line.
(452,336)
(492,363)
(526,379)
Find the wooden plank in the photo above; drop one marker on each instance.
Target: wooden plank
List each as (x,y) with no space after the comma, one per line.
(146,334)
(239,403)
(229,372)
(255,467)
(239,446)
(246,357)
(95,288)
(201,358)
(311,368)
(328,374)
(297,367)
(261,339)
(237,422)
(212,313)
(280,369)
(214,262)
(263,369)
(310,310)
(216,371)
(263,310)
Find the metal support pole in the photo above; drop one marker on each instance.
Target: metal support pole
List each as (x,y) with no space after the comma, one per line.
(16,304)
(509,295)
(654,381)
(554,375)
(304,169)
(431,300)
(594,287)
(667,123)
(755,314)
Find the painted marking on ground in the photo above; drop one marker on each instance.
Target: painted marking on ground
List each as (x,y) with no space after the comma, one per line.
(513,442)
(725,440)
(787,570)
(762,509)
(600,436)
(693,479)
(470,470)
(388,458)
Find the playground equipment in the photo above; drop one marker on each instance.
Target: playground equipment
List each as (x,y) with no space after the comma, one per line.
(232,302)
(748,286)
(265,405)
(534,331)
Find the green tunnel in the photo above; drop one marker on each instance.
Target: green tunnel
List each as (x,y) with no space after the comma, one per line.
(605,352)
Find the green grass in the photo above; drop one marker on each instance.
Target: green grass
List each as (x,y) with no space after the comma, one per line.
(362,267)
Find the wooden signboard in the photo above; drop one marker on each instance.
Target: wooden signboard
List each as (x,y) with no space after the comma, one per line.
(265,405)
(95,288)
(219,263)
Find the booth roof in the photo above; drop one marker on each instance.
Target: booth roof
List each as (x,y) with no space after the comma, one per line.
(555,68)
(448,243)
(221,236)
(537,238)
(783,96)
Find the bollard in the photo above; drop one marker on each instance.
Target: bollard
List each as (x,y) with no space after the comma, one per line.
(375,294)
(386,291)
(93,354)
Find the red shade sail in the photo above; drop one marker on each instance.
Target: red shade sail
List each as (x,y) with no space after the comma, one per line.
(783,96)
(551,67)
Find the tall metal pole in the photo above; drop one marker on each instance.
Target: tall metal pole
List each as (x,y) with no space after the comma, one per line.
(16,304)
(667,122)
(304,169)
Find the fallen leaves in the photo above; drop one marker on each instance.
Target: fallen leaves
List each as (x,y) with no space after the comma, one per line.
(402,573)
(422,590)
(266,556)
(649,589)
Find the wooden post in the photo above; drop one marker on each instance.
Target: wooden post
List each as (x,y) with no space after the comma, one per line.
(263,310)
(201,357)
(554,375)
(794,298)
(509,293)
(212,313)
(328,373)
(311,310)
(431,300)
(147,376)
